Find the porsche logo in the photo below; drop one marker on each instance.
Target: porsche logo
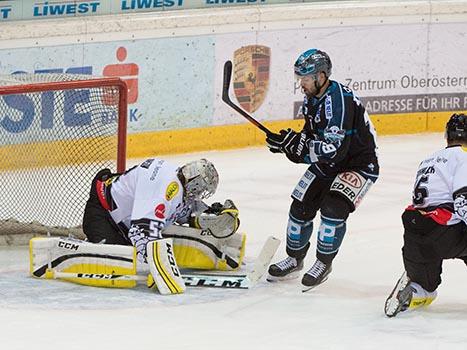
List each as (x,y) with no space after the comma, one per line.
(251,75)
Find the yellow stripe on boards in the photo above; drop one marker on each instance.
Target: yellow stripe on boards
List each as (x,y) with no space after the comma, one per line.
(57,153)
(151,144)
(142,145)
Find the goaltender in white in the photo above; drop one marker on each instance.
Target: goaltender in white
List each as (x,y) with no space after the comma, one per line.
(158,208)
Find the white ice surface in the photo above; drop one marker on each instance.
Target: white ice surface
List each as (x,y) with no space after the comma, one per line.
(344,313)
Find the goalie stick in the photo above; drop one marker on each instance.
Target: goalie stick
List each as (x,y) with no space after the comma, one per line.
(214,280)
(191,280)
(227,100)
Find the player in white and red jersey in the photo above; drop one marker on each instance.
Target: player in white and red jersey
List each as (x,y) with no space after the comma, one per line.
(435,223)
(138,206)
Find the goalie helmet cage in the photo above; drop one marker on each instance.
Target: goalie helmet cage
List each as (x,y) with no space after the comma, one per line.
(56,132)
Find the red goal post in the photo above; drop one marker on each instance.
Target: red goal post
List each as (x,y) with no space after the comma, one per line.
(56,132)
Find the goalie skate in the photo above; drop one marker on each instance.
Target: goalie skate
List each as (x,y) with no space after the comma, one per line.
(400,297)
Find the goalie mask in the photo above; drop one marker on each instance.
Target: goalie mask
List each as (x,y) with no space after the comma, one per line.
(199,179)
(456,128)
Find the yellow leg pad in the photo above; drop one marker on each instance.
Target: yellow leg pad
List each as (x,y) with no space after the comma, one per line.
(75,256)
(163,267)
(210,254)
(101,269)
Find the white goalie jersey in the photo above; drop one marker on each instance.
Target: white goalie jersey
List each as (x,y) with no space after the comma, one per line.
(440,188)
(150,196)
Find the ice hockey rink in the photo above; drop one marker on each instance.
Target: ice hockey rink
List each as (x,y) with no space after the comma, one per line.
(346,312)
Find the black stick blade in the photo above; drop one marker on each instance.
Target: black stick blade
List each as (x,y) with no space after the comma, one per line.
(227,78)
(226,98)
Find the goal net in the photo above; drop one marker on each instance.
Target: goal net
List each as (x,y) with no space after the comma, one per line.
(56,132)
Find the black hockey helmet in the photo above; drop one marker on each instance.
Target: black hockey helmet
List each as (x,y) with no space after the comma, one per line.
(311,62)
(456,128)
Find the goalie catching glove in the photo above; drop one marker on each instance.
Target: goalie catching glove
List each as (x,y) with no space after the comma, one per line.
(220,220)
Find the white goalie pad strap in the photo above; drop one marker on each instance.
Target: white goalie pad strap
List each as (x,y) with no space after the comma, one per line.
(198,249)
(351,185)
(164,268)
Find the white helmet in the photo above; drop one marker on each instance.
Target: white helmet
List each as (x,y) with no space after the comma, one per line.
(199,179)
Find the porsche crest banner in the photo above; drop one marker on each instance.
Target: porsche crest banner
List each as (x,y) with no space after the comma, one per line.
(251,75)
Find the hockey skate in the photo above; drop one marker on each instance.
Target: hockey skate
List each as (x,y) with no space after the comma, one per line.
(316,275)
(283,270)
(407,295)
(400,297)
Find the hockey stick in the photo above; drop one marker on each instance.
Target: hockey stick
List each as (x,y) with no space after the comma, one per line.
(195,280)
(263,260)
(214,280)
(260,266)
(226,99)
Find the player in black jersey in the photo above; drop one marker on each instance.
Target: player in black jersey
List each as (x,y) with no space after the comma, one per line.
(338,142)
(435,223)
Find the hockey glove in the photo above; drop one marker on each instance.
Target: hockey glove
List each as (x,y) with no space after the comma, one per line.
(276,142)
(220,220)
(293,144)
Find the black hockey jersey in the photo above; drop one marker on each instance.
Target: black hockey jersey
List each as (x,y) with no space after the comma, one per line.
(342,135)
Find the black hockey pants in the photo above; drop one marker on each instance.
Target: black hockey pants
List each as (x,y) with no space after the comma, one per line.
(332,204)
(427,244)
(98,225)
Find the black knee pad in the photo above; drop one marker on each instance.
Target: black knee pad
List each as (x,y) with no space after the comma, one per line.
(302,212)
(336,206)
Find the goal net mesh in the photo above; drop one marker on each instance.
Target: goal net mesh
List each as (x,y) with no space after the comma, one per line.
(56,132)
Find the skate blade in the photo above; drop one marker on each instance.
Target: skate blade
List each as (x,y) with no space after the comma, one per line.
(290,276)
(393,306)
(308,288)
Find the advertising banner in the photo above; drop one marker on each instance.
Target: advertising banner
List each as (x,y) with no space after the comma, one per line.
(39,9)
(176,83)
(393,68)
(170,80)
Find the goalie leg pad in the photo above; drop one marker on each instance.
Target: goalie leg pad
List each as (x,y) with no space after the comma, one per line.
(76,256)
(163,267)
(197,249)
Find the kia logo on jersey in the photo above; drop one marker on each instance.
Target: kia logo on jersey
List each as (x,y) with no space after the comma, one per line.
(351,179)
(159,212)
